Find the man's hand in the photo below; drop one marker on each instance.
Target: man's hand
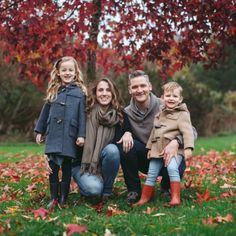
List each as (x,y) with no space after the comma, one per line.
(170,151)
(80,141)
(127,141)
(39,138)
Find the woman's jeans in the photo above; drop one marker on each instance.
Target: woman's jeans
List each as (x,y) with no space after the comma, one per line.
(156,165)
(93,185)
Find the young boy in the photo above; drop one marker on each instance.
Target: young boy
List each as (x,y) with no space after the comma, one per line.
(172,120)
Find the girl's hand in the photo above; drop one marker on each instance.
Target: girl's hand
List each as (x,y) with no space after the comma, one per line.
(39,138)
(47,164)
(80,141)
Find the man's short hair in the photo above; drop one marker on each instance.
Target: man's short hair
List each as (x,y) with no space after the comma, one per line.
(138,73)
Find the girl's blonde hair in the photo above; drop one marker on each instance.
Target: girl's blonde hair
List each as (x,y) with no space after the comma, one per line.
(56,82)
(116,102)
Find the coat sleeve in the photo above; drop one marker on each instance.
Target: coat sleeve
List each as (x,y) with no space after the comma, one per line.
(41,125)
(185,127)
(82,118)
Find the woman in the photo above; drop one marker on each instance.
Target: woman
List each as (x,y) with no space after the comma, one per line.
(95,173)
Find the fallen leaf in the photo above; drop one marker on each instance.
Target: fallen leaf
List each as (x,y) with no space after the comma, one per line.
(159,214)
(108,233)
(226,219)
(150,210)
(218,219)
(113,210)
(98,207)
(74,228)
(227,186)
(202,197)
(41,212)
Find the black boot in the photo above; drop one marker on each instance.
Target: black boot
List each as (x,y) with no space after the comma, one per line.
(64,189)
(54,196)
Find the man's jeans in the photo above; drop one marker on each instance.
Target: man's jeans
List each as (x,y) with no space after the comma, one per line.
(136,160)
(93,185)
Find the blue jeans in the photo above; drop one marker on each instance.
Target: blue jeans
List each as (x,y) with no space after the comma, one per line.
(156,165)
(136,160)
(93,185)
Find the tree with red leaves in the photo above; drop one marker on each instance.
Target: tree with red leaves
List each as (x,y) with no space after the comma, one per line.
(171,33)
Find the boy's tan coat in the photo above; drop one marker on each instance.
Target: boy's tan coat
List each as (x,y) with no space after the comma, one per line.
(168,124)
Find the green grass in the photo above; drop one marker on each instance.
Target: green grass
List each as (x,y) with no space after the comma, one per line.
(11,152)
(17,218)
(218,143)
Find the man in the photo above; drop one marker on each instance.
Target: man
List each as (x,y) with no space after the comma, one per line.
(143,107)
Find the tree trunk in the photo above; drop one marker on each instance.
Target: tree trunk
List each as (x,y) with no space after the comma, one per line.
(91,54)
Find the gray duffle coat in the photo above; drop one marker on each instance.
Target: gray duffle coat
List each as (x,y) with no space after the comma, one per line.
(63,121)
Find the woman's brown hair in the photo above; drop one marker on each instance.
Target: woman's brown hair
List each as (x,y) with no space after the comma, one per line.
(116,102)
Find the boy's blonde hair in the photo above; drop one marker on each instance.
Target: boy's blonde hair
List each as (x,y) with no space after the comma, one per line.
(170,86)
(56,82)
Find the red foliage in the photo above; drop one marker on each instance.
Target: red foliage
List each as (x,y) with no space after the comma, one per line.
(36,33)
(218,219)
(74,228)
(41,212)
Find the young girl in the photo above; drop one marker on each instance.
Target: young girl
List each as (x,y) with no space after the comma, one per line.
(62,122)
(173,120)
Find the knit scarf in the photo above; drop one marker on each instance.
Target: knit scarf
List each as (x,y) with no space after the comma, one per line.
(100,130)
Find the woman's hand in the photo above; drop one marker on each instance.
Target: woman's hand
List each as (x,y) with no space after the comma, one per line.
(39,138)
(80,141)
(127,141)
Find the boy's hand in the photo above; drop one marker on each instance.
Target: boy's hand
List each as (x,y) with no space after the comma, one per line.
(80,141)
(187,153)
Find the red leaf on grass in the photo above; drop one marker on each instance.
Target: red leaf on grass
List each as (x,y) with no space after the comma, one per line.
(74,228)
(226,194)
(114,211)
(218,219)
(208,221)
(188,184)
(41,212)
(98,208)
(228,218)
(4,198)
(203,197)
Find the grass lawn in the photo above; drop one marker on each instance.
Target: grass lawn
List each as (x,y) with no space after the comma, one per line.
(208,198)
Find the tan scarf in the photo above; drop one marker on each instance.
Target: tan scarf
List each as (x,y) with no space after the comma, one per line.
(100,130)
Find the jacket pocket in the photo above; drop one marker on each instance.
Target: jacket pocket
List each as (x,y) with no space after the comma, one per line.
(73,129)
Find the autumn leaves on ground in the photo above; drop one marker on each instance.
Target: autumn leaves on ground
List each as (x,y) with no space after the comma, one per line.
(208,203)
